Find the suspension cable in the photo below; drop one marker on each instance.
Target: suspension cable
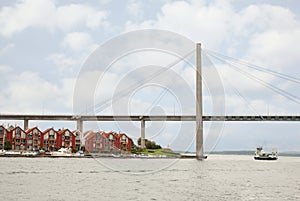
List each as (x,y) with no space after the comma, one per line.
(266,84)
(255,67)
(104,104)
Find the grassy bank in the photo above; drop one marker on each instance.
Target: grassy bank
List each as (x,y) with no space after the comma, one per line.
(159,152)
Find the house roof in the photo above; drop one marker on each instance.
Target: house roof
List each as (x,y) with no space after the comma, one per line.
(48,129)
(92,135)
(3,127)
(108,134)
(19,128)
(31,129)
(86,133)
(60,132)
(74,131)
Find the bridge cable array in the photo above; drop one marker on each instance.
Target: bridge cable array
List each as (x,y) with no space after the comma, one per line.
(99,107)
(238,93)
(253,66)
(232,63)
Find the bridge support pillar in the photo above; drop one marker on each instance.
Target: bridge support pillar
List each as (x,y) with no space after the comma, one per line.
(199,120)
(143,144)
(80,125)
(26,123)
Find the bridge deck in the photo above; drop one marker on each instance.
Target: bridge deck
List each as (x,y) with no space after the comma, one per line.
(146,118)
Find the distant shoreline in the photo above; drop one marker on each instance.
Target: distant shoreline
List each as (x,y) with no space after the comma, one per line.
(149,156)
(294,154)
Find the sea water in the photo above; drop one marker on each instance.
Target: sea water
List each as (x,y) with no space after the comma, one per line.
(220,177)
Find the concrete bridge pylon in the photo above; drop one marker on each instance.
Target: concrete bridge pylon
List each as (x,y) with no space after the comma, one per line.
(199,111)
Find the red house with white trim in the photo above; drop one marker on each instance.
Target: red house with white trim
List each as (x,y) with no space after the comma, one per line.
(100,141)
(48,139)
(77,134)
(9,137)
(18,136)
(123,142)
(3,133)
(95,142)
(111,141)
(33,139)
(66,138)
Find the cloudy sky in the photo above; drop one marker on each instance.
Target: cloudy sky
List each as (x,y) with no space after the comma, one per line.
(45,45)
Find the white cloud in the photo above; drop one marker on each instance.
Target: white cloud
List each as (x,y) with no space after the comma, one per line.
(28,92)
(5,69)
(277,49)
(64,65)
(30,13)
(257,18)
(6,49)
(61,60)
(24,14)
(77,46)
(78,41)
(135,9)
(73,15)
(208,24)
(217,25)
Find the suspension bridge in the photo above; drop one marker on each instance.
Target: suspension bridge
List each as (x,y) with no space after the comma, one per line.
(199,118)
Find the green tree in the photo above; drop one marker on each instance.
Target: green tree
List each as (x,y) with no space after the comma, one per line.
(82,148)
(74,150)
(7,145)
(133,147)
(149,144)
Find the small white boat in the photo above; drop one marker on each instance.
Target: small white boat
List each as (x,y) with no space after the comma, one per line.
(62,152)
(13,153)
(79,153)
(2,152)
(116,155)
(261,155)
(29,153)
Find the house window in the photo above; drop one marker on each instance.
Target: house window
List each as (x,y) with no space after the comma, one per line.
(111,137)
(67,133)
(18,135)
(36,133)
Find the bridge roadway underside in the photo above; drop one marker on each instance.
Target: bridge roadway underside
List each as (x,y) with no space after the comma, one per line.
(142,119)
(145,118)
